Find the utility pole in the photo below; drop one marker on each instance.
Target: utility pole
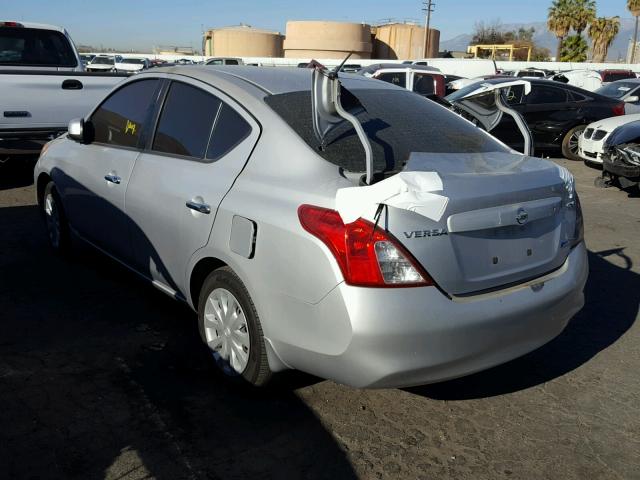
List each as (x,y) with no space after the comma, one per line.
(428,9)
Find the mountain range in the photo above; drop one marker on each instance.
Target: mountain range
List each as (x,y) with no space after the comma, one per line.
(544,38)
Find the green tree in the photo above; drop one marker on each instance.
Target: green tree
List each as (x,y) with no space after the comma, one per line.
(559,21)
(602,32)
(574,49)
(583,12)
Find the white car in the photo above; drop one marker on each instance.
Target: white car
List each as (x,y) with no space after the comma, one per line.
(131,65)
(591,142)
(104,63)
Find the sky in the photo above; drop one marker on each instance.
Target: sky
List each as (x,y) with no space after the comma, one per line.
(142,24)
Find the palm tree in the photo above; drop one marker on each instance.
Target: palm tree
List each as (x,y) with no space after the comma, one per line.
(634,7)
(602,32)
(559,22)
(582,13)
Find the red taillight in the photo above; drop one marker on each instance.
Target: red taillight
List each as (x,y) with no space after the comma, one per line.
(367,257)
(440,87)
(10,24)
(618,110)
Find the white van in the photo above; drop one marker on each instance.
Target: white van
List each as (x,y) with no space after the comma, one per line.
(462,67)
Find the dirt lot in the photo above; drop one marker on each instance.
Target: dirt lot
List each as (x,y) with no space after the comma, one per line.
(101,376)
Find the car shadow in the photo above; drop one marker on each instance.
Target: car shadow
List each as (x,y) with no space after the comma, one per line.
(611,308)
(103,376)
(16,172)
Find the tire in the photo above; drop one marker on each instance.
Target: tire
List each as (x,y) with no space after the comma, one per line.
(228,337)
(55,220)
(570,143)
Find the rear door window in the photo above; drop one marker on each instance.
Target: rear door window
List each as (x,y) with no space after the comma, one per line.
(424,84)
(121,117)
(34,47)
(186,121)
(543,95)
(396,78)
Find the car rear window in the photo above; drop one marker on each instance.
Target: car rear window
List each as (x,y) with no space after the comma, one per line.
(33,47)
(397,123)
(617,89)
(615,76)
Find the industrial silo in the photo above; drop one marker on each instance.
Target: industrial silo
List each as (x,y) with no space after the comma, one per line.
(242,41)
(312,39)
(404,41)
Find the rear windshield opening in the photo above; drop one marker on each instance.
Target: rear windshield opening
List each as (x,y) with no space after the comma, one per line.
(32,47)
(397,123)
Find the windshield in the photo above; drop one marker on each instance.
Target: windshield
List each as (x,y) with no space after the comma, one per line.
(397,122)
(617,89)
(103,61)
(135,61)
(34,47)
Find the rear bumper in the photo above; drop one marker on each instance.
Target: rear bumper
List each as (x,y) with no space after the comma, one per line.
(405,337)
(27,141)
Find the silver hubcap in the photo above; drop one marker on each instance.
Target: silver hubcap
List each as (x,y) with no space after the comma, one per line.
(53,220)
(573,141)
(227,332)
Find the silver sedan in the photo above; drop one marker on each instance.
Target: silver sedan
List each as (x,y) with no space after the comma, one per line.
(324,222)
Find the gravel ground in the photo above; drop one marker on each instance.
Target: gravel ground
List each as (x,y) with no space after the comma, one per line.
(101,376)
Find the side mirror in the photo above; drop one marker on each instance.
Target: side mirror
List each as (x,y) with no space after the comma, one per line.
(632,99)
(76,130)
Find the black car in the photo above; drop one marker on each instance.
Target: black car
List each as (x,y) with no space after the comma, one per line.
(555,113)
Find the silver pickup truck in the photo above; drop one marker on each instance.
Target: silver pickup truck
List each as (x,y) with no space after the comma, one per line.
(42,86)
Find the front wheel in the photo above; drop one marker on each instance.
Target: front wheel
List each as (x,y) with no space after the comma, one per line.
(55,220)
(570,143)
(230,326)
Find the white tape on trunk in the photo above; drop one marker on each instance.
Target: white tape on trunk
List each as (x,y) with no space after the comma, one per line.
(413,191)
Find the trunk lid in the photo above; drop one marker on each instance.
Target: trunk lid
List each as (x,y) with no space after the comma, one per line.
(495,219)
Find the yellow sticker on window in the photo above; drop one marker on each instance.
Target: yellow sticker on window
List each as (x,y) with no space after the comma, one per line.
(130,128)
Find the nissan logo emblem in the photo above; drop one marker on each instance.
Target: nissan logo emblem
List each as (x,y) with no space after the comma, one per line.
(522,216)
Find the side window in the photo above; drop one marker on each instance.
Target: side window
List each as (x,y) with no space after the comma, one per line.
(214,62)
(120,119)
(514,95)
(397,78)
(231,62)
(186,120)
(229,131)
(540,95)
(423,84)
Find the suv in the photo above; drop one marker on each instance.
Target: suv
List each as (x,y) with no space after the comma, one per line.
(423,80)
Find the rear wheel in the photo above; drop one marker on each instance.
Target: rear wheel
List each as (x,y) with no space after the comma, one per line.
(230,326)
(55,220)
(570,143)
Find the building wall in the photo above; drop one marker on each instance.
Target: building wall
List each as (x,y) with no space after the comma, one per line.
(242,42)
(404,41)
(311,39)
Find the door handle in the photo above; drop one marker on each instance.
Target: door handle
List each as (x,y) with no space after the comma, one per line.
(113,179)
(72,84)
(199,207)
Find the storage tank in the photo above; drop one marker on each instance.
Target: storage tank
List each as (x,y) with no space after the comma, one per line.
(317,39)
(242,41)
(404,41)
